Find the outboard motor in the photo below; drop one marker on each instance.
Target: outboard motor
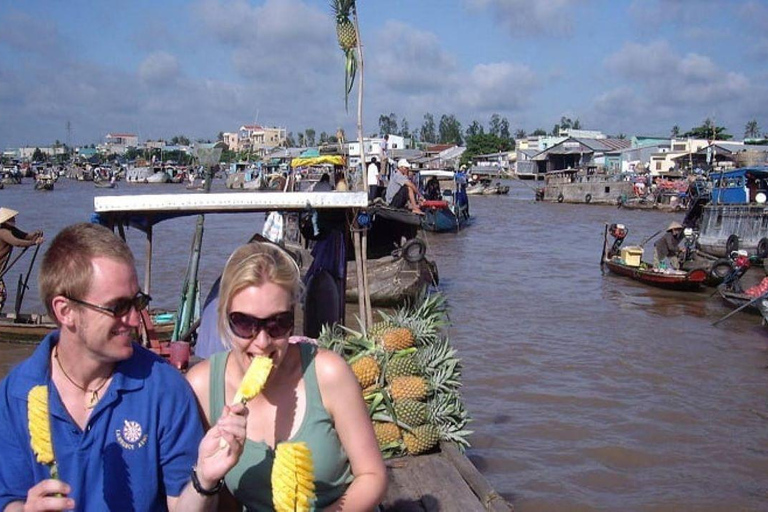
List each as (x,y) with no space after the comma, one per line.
(619,232)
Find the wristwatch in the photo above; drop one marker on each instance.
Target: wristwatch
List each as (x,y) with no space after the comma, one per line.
(205,492)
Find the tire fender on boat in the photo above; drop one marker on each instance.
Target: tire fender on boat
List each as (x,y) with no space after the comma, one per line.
(762,248)
(560,198)
(414,250)
(732,244)
(721,268)
(588,198)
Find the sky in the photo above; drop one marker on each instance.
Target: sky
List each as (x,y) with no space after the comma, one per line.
(75,70)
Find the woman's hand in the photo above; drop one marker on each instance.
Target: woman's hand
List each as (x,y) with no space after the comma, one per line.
(214,460)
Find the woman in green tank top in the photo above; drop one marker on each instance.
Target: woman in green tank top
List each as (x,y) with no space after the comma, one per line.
(311,395)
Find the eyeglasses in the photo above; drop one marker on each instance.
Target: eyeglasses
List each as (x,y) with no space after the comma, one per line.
(248,327)
(121,307)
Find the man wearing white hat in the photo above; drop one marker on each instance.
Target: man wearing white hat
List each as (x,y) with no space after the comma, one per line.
(666,247)
(401,191)
(10,237)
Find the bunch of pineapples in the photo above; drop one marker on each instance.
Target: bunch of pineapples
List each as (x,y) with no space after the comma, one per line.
(409,376)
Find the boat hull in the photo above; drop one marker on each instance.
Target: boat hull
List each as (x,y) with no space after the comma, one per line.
(719,223)
(392,281)
(671,280)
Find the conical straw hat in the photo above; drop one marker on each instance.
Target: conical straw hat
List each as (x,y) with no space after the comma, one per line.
(7,214)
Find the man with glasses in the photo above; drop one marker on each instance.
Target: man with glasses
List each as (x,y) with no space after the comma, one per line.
(124,425)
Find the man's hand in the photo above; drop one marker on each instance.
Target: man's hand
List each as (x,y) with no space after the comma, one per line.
(48,495)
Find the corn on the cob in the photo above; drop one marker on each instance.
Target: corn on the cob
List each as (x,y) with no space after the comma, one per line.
(253,380)
(293,481)
(40,427)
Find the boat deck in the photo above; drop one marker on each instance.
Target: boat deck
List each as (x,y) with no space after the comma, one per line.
(445,481)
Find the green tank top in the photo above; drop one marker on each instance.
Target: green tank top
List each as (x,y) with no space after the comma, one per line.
(249,480)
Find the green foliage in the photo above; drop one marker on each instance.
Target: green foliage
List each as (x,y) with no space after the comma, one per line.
(708,130)
(428,132)
(752,130)
(387,124)
(483,144)
(450,130)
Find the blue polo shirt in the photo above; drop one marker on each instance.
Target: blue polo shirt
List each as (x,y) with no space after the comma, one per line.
(138,447)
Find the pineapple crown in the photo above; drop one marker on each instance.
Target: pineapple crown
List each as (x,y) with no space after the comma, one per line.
(343,9)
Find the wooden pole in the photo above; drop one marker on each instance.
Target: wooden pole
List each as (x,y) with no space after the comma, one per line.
(366,289)
(360,274)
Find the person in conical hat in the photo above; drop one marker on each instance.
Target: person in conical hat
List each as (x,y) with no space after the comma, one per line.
(10,237)
(666,250)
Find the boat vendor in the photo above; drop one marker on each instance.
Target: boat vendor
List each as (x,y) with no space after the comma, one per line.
(666,247)
(10,237)
(310,396)
(401,191)
(116,427)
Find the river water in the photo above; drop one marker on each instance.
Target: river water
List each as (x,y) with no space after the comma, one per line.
(587,391)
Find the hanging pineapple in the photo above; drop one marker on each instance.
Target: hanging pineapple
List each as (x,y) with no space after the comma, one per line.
(345,32)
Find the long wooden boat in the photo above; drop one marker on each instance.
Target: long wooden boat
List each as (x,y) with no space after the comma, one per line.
(446,481)
(30,329)
(393,280)
(628,262)
(740,299)
(663,278)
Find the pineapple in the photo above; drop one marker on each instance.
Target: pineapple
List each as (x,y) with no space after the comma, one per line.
(386,433)
(367,371)
(397,338)
(40,426)
(253,380)
(345,30)
(401,365)
(347,37)
(421,439)
(410,412)
(408,387)
(293,481)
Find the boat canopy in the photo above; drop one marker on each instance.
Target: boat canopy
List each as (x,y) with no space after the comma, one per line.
(317,160)
(144,211)
(739,186)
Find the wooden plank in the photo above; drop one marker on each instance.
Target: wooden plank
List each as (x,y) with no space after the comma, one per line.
(490,499)
(432,483)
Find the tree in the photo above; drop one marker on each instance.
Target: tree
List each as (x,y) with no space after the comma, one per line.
(428,133)
(38,156)
(309,136)
(539,132)
(220,136)
(405,129)
(708,130)
(180,140)
(494,126)
(323,138)
(504,129)
(290,142)
(576,125)
(484,144)
(474,129)
(387,124)
(301,140)
(520,134)
(752,130)
(675,132)
(450,130)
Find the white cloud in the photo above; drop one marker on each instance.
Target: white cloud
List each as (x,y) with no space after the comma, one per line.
(159,69)
(497,87)
(530,17)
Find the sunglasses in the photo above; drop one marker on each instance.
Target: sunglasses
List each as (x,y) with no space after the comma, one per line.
(121,307)
(248,327)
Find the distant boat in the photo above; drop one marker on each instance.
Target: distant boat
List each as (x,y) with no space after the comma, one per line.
(44,183)
(451,212)
(584,186)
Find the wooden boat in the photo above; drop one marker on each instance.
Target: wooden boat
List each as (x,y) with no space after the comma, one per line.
(451,213)
(627,261)
(44,184)
(32,328)
(584,186)
(743,300)
(393,280)
(663,278)
(446,480)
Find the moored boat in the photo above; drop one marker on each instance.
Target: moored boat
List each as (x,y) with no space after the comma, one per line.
(584,186)
(449,212)
(733,215)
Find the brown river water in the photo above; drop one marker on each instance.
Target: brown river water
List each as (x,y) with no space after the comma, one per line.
(587,392)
